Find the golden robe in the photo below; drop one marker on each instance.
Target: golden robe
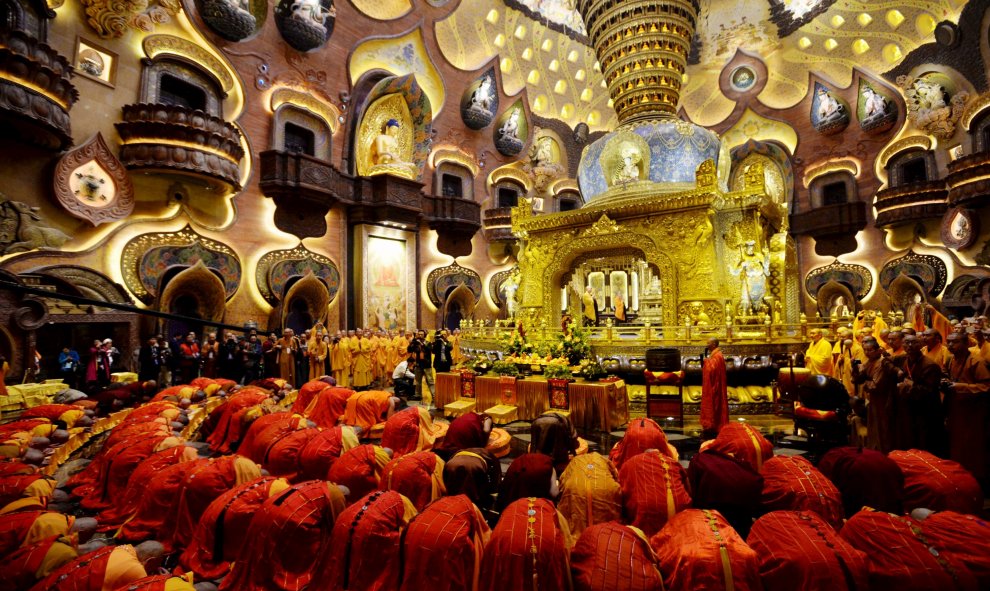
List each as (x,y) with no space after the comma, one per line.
(340,362)
(362,364)
(287,358)
(818,357)
(317,350)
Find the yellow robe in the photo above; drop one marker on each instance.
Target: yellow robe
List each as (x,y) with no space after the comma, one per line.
(455,349)
(588,302)
(842,368)
(317,354)
(287,359)
(340,363)
(362,364)
(940,356)
(818,357)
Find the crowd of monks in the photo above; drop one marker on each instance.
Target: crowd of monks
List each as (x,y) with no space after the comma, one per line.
(213,485)
(923,387)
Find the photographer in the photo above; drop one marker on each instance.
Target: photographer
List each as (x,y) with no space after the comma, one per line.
(402,378)
(423,354)
(442,352)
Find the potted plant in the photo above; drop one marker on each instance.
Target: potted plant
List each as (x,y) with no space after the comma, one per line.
(505,368)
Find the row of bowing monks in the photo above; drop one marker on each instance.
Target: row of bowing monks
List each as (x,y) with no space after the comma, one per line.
(326,488)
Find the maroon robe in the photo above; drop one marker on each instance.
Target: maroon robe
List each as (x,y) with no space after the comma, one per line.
(714,393)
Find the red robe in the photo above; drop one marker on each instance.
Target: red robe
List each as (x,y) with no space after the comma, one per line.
(124,505)
(307,394)
(93,474)
(528,550)
(264,430)
(937,484)
(200,488)
(465,431)
(19,569)
(963,536)
(641,435)
(475,473)
(614,556)
(529,475)
(227,432)
(155,511)
(281,457)
(799,550)
(698,549)
(744,442)
(320,453)
(902,557)
(416,476)
(408,431)
(359,469)
(119,463)
(12,487)
(85,573)
(363,553)
(654,489)
(865,477)
(222,530)
(443,546)
(49,411)
(16,528)
(714,393)
(792,483)
(329,405)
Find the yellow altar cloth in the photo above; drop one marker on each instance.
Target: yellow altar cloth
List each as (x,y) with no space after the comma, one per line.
(30,395)
(124,377)
(448,388)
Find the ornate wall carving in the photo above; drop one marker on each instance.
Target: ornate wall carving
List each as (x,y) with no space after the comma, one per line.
(22,229)
(276,269)
(441,280)
(92,184)
(857,278)
(929,271)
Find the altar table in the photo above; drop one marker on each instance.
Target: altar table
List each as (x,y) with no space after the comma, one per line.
(30,395)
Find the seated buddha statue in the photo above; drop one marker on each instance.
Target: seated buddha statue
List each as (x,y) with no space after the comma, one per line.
(386,153)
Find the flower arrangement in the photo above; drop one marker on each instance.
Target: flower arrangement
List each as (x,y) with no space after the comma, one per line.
(592,370)
(572,344)
(557,369)
(481,365)
(505,368)
(517,343)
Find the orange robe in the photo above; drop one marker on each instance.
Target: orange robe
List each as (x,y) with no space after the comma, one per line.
(937,484)
(367,409)
(320,452)
(200,488)
(714,393)
(443,546)
(222,531)
(329,405)
(967,416)
(20,486)
(818,357)
(698,549)
(287,358)
(288,533)
(126,504)
(614,556)
(799,550)
(281,458)
(408,431)
(359,469)
(417,476)
(227,430)
(26,528)
(318,351)
(528,550)
(642,434)
(117,466)
(792,483)
(590,492)
(307,394)
(24,567)
(265,430)
(654,489)
(363,552)
(743,442)
(157,504)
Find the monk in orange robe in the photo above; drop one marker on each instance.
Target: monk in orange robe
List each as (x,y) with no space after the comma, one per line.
(614,556)
(360,469)
(363,553)
(698,549)
(529,475)
(267,429)
(641,435)
(443,546)
(654,489)
(475,473)
(744,442)
(967,409)
(590,492)
(418,476)
(156,505)
(528,550)
(20,486)
(93,474)
(792,483)
(110,567)
(226,433)
(937,484)
(124,504)
(25,528)
(281,457)
(409,430)
(320,452)
(200,488)
(367,409)
(307,394)
(329,405)
(714,390)
(799,550)
(222,530)
(24,567)
(120,463)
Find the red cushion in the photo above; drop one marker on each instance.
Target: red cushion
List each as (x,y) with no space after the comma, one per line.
(803,412)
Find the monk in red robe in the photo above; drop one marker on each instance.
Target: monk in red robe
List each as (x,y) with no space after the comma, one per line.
(468,430)
(641,435)
(360,470)
(937,484)
(24,567)
(69,414)
(417,476)
(654,489)
(528,550)
(728,485)
(529,475)
(281,457)
(363,553)
(19,486)
(443,546)
(157,505)
(792,483)
(226,430)
(964,537)
(329,406)
(967,409)
(865,478)
(408,431)
(266,430)
(799,550)
(119,464)
(614,556)
(698,549)
(714,390)
(744,442)
(290,530)
(590,492)
(93,475)
(475,473)
(223,528)
(321,451)
(125,503)
(200,488)
(307,394)
(110,567)
(25,528)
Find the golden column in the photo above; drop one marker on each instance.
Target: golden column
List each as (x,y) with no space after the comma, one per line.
(642,47)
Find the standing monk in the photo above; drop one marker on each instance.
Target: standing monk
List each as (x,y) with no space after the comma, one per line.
(879,378)
(317,350)
(590,307)
(818,357)
(967,408)
(918,419)
(211,354)
(287,347)
(362,362)
(714,390)
(340,361)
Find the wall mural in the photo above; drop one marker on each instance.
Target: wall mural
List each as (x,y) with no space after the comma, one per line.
(385,283)
(276,269)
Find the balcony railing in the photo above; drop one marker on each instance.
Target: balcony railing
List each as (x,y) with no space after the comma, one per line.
(497,224)
(969,180)
(911,203)
(830,220)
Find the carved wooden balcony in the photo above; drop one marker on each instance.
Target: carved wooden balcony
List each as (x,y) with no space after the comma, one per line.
(497,224)
(452,214)
(181,141)
(969,180)
(35,90)
(384,197)
(911,203)
(842,219)
(304,189)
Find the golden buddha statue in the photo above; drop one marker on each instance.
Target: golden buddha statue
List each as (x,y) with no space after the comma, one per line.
(386,153)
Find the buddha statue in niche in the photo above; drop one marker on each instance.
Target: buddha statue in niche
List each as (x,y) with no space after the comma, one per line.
(386,152)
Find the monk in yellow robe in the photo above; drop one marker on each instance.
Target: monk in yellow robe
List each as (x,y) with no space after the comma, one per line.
(354,347)
(455,347)
(818,357)
(590,307)
(362,363)
(317,350)
(379,355)
(287,347)
(340,361)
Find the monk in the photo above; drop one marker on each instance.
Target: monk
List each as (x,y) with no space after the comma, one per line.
(743,442)
(363,552)
(865,478)
(157,503)
(468,430)
(698,549)
(307,394)
(361,369)
(124,505)
(919,422)
(287,347)
(321,451)
(26,528)
(799,550)
(318,351)
(329,406)
(226,434)
(66,413)
(792,483)
(475,473)
(110,567)
(340,361)
(528,549)
(654,489)
(24,567)
(409,430)
(845,351)
(818,357)
(282,456)
(117,466)
(264,430)
(443,546)
(614,556)
(161,583)
(878,377)
(418,476)
(554,435)
(590,492)
(963,536)
(367,409)
(934,349)
(19,486)
(937,484)
(360,469)
(641,435)
(222,530)
(967,409)
(714,390)
(728,485)
(529,475)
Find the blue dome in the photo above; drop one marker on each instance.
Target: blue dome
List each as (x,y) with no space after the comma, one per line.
(675,150)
